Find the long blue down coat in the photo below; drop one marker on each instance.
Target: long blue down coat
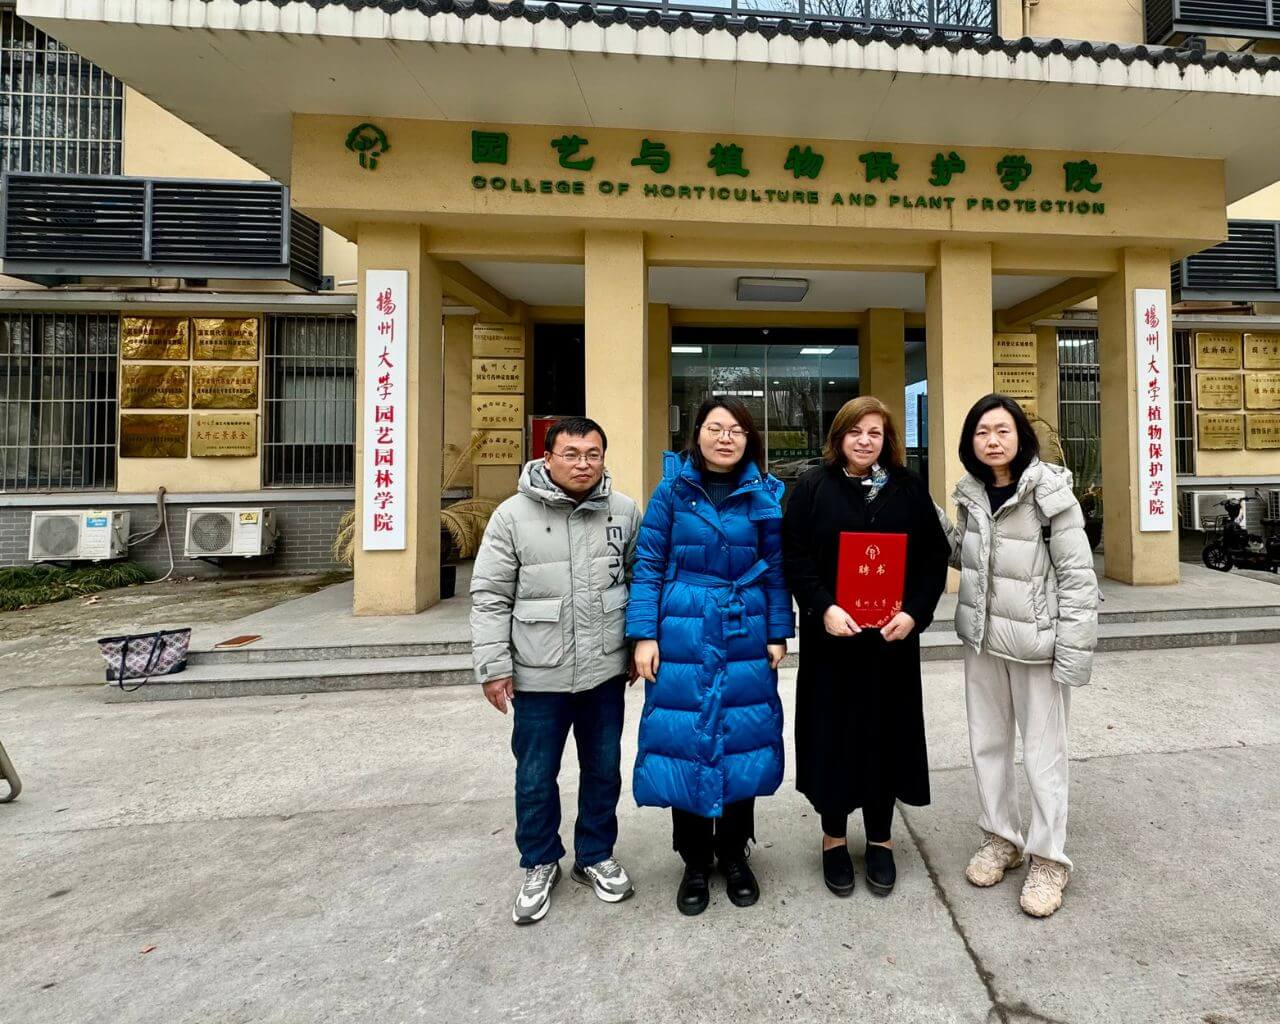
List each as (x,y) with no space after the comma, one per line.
(708,586)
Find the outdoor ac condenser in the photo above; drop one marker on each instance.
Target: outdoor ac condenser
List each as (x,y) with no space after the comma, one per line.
(93,535)
(230,532)
(1200,509)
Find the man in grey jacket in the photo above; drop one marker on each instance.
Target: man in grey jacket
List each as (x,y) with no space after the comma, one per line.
(548,633)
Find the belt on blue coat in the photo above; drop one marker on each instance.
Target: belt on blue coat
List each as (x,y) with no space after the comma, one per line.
(735,608)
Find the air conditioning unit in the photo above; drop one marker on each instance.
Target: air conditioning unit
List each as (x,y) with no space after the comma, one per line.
(94,535)
(230,532)
(1200,509)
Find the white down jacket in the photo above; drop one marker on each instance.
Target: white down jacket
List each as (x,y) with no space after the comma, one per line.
(1020,598)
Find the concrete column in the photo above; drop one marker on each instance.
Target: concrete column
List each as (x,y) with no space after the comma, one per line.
(405,582)
(617,351)
(457,389)
(883,361)
(659,396)
(1047,374)
(959,339)
(1130,555)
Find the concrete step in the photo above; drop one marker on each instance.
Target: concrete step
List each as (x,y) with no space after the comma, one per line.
(944,625)
(255,655)
(279,677)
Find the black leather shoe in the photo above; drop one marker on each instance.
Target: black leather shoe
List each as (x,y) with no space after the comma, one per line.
(739,882)
(694,893)
(837,870)
(881,872)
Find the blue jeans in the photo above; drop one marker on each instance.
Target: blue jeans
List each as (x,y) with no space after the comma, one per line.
(542,723)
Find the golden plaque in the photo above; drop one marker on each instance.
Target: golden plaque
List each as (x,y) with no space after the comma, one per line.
(224,433)
(1014,350)
(159,436)
(1263,430)
(226,338)
(1030,406)
(1218,391)
(497,412)
(497,376)
(1016,382)
(1262,351)
(1217,351)
(153,387)
(497,340)
(1219,431)
(500,448)
(224,387)
(1262,390)
(154,337)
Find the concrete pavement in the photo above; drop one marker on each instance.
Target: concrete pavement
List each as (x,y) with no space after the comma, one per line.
(349,857)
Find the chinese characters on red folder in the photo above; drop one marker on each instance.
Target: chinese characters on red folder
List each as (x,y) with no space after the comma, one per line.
(870,576)
(385,392)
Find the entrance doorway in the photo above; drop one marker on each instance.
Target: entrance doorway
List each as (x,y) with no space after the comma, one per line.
(793,380)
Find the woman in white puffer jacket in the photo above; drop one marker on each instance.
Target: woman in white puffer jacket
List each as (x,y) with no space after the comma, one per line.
(1028,617)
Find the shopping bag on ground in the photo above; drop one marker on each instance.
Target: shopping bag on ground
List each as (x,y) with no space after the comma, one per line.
(145,655)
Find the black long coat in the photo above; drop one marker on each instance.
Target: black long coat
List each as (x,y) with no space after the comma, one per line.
(859,715)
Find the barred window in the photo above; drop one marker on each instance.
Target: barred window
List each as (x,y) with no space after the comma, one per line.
(310,402)
(59,113)
(1184,409)
(58,416)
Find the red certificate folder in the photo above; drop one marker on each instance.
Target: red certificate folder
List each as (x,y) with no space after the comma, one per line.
(870,576)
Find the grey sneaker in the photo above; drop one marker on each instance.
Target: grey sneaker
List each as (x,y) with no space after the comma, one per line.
(608,878)
(534,898)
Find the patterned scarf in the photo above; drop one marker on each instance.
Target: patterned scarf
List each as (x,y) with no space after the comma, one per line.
(873,482)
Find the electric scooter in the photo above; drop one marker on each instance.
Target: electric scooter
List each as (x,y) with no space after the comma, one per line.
(1230,545)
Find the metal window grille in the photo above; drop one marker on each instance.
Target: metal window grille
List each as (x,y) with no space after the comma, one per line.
(1184,409)
(59,113)
(310,402)
(58,381)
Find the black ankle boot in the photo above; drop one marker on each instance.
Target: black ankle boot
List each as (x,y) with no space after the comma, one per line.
(837,870)
(739,882)
(881,872)
(694,893)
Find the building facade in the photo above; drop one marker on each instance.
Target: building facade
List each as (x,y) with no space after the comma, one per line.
(620,210)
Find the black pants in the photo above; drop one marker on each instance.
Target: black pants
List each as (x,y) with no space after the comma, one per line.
(698,840)
(877,820)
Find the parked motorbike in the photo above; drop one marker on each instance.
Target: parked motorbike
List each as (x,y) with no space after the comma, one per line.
(1230,545)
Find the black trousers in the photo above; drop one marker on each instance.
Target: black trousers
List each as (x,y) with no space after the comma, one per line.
(877,820)
(699,840)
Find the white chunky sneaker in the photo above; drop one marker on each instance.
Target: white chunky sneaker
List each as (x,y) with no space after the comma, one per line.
(534,898)
(608,878)
(1042,891)
(995,856)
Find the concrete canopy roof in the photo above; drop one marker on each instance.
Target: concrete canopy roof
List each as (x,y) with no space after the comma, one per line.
(239,69)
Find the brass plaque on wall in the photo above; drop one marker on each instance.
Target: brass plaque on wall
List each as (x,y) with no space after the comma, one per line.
(153,387)
(1216,350)
(497,412)
(1016,382)
(1218,391)
(1262,351)
(224,387)
(1219,431)
(497,376)
(1263,430)
(1262,390)
(1030,406)
(497,340)
(224,433)
(226,337)
(160,436)
(500,448)
(154,337)
(1014,350)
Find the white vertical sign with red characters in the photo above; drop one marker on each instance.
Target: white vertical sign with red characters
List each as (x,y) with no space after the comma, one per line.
(385,429)
(1155,425)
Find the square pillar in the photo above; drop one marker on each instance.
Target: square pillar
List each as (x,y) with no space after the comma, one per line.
(959,351)
(457,389)
(616,323)
(1131,556)
(659,396)
(883,361)
(407,581)
(1047,374)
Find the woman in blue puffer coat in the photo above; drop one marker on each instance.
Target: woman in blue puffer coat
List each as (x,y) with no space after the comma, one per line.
(710,614)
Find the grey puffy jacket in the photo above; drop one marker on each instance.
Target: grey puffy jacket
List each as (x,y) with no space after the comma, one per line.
(1021,599)
(549,589)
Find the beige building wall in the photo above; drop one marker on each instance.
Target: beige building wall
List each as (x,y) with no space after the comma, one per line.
(1112,21)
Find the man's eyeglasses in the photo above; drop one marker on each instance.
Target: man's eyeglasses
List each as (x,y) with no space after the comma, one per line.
(573,457)
(719,430)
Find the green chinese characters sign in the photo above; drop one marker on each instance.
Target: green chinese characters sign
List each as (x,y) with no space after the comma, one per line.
(722,172)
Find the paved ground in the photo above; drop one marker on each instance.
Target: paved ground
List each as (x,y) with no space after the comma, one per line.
(348,857)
